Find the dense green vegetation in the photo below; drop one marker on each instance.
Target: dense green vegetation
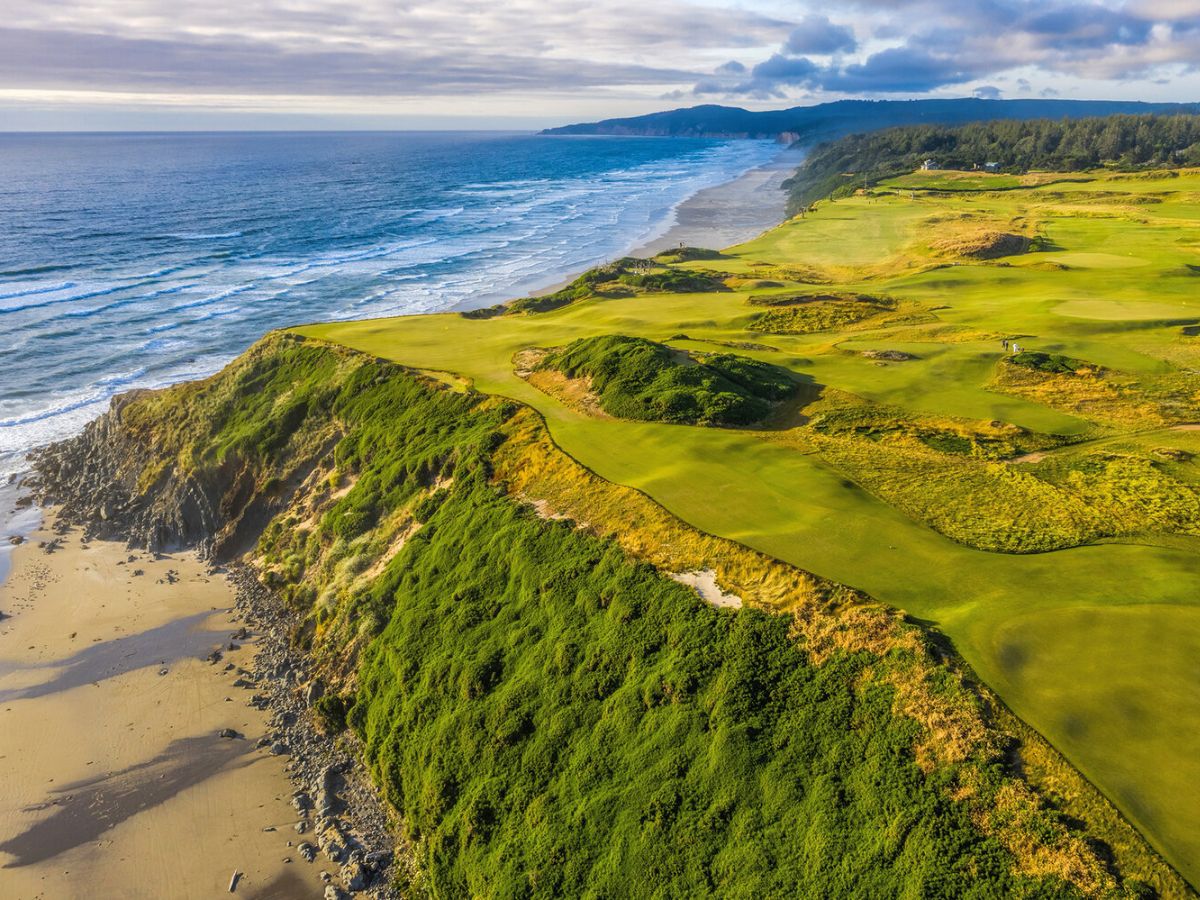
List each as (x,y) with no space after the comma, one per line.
(554,720)
(1124,141)
(615,279)
(635,378)
(552,717)
(1049,362)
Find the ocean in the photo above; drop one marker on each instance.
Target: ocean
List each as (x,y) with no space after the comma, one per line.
(140,260)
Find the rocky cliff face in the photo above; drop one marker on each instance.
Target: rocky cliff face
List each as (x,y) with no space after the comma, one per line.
(118,481)
(95,477)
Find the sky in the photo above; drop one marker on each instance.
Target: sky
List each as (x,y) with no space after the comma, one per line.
(150,64)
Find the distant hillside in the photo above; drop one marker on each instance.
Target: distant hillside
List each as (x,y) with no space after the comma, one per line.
(1118,141)
(826,121)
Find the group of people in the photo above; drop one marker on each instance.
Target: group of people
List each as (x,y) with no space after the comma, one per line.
(1014,346)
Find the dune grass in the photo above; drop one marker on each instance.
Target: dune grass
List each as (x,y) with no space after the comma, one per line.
(1110,285)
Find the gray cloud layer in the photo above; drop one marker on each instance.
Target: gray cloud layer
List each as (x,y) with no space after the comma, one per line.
(420,48)
(372,47)
(939,43)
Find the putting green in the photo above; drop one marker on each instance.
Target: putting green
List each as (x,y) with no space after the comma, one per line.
(1095,646)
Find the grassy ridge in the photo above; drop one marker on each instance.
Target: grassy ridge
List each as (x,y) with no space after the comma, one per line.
(553,719)
(551,714)
(640,379)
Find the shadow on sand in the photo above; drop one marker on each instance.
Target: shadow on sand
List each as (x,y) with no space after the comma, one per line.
(85,810)
(167,643)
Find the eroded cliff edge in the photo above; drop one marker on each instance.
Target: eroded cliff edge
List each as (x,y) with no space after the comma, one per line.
(548,712)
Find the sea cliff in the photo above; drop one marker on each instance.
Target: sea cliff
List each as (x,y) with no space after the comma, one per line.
(496,633)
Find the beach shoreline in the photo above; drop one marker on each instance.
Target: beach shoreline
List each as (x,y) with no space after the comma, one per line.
(716,217)
(729,214)
(155,737)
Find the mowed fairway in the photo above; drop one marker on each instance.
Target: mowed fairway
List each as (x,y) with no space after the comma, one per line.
(1096,643)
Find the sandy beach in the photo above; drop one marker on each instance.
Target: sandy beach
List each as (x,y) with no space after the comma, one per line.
(730,213)
(720,216)
(116,782)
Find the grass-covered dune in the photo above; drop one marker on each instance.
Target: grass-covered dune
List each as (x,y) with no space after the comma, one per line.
(549,713)
(1040,508)
(634,378)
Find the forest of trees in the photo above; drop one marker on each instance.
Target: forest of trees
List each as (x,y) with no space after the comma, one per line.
(1067,145)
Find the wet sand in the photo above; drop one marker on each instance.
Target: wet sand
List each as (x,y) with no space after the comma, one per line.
(115,781)
(730,213)
(721,216)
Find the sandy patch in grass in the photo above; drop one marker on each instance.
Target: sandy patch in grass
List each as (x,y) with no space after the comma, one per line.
(704,582)
(576,393)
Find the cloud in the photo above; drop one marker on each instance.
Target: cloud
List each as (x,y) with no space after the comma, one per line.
(987,92)
(816,34)
(596,51)
(371,47)
(932,45)
(901,70)
(1088,26)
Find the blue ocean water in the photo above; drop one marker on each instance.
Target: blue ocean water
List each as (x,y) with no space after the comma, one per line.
(139,260)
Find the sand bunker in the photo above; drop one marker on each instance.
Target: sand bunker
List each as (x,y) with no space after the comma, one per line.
(704,582)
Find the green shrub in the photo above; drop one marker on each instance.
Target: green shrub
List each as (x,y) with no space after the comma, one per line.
(331,712)
(552,719)
(1053,363)
(640,379)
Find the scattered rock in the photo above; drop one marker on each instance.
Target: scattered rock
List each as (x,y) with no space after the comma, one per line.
(314,691)
(279,749)
(301,827)
(228,733)
(16,540)
(308,851)
(354,875)
(214,657)
(333,892)
(163,671)
(137,572)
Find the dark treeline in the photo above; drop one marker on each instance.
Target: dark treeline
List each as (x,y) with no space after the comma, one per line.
(1067,145)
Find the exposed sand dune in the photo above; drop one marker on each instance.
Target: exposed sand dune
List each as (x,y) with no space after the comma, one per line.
(116,783)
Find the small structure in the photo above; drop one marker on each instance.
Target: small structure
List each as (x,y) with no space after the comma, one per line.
(928,166)
(991,167)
